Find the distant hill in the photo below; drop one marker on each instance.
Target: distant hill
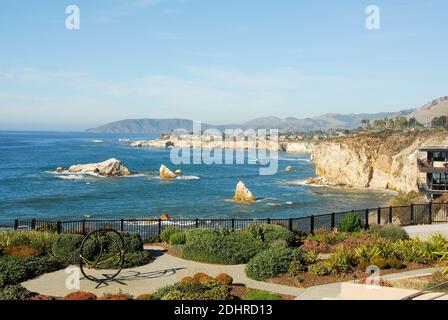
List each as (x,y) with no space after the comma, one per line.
(326,121)
(431,110)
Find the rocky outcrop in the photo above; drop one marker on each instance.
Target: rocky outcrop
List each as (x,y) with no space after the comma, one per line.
(298,147)
(108,168)
(166,173)
(289,169)
(243,194)
(165,217)
(178,172)
(374,160)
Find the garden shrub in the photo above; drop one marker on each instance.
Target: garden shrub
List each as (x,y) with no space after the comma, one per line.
(389,232)
(255,294)
(66,248)
(186,279)
(437,247)
(381,263)
(271,233)
(178,238)
(15,292)
(413,250)
(271,262)
(167,232)
(145,296)
(80,295)
(193,290)
(367,254)
(211,246)
(340,262)
(224,278)
(295,268)
(202,277)
(14,270)
(35,239)
(350,223)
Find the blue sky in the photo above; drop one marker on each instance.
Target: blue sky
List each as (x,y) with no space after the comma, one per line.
(214,60)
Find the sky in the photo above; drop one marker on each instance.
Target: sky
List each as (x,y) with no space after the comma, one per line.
(218,61)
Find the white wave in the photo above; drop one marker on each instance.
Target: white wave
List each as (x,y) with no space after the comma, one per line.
(188,178)
(295,159)
(123,140)
(70,177)
(289,202)
(97,141)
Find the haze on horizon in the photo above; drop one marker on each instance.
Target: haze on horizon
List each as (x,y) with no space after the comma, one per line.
(215,61)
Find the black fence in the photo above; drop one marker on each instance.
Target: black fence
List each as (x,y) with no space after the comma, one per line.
(415,214)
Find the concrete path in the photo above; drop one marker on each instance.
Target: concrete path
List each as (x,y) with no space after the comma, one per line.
(163,271)
(424,232)
(332,291)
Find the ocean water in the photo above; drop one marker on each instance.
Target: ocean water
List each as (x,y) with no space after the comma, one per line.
(29,187)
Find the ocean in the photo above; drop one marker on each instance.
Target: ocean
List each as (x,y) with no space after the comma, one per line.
(29,187)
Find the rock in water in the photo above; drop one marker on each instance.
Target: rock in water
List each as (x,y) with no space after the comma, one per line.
(178,172)
(242,193)
(109,168)
(289,169)
(165,217)
(59,169)
(166,173)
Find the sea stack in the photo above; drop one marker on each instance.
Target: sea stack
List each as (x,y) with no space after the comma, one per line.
(109,168)
(243,194)
(166,173)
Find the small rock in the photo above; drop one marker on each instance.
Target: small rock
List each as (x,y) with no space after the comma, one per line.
(178,172)
(166,173)
(59,169)
(289,169)
(243,194)
(165,217)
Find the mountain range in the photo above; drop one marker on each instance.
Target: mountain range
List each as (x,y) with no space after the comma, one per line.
(424,115)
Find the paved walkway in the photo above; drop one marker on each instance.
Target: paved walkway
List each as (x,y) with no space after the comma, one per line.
(333,290)
(424,232)
(163,271)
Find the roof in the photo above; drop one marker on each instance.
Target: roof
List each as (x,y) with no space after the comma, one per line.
(433,148)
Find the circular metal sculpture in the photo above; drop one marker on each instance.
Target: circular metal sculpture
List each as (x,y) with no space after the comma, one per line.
(102,249)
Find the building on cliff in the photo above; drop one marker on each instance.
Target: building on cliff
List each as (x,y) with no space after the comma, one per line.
(433,170)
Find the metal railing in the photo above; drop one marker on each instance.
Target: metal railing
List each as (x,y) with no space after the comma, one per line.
(415,214)
(429,290)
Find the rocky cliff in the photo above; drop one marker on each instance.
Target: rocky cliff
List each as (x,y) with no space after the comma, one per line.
(373,160)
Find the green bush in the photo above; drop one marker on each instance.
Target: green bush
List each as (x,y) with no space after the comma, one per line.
(38,240)
(16,292)
(271,233)
(413,250)
(340,262)
(225,247)
(66,248)
(350,223)
(389,232)
(295,268)
(193,290)
(255,294)
(178,238)
(14,270)
(271,262)
(167,232)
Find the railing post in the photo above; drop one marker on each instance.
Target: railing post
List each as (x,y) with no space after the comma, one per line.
(233,223)
(290,224)
(312,224)
(197,223)
(33,224)
(58,227)
(16,224)
(412,214)
(366,217)
(269,220)
(430,212)
(378,216)
(390,214)
(333,219)
(83,226)
(122,225)
(159,230)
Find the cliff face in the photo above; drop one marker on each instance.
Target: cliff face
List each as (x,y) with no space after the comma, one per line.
(377,161)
